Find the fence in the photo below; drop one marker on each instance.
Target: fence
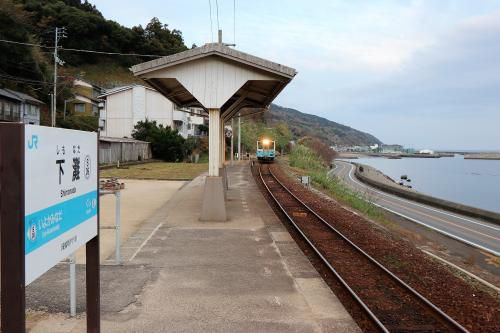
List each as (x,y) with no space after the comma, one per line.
(112,150)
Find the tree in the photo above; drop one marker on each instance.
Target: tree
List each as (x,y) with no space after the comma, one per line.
(82,123)
(29,69)
(166,144)
(251,131)
(282,136)
(20,64)
(321,149)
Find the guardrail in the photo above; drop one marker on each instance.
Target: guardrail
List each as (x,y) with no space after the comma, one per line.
(429,200)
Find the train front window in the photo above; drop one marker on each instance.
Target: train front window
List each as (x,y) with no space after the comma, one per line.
(265,144)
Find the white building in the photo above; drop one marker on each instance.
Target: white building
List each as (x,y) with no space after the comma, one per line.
(125,106)
(188,120)
(426,151)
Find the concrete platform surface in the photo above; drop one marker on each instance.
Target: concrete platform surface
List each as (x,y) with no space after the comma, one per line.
(184,275)
(139,200)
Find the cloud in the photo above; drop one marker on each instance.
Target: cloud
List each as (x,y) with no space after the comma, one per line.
(461,69)
(408,71)
(339,35)
(454,83)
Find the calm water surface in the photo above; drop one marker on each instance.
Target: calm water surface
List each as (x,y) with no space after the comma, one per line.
(471,182)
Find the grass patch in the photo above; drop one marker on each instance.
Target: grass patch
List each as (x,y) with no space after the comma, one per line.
(158,170)
(306,161)
(203,157)
(105,72)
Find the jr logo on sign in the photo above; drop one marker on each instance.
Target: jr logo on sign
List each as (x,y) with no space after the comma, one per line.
(33,143)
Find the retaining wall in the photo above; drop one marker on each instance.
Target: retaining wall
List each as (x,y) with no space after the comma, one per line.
(428,200)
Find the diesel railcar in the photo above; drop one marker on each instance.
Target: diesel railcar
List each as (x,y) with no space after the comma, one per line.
(266,150)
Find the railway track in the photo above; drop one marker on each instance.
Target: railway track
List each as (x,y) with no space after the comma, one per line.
(388,302)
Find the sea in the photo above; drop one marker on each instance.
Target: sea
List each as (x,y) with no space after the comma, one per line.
(471,182)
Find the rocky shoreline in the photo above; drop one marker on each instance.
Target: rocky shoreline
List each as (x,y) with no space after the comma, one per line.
(378,176)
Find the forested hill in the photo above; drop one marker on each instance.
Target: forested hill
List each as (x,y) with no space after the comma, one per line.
(30,69)
(330,132)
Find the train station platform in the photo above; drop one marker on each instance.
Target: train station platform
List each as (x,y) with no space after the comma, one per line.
(243,275)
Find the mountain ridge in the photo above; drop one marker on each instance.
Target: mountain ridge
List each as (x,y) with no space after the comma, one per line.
(304,124)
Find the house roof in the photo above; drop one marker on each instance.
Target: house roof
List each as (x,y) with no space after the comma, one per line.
(25,97)
(122,88)
(81,82)
(112,139)
(9,95)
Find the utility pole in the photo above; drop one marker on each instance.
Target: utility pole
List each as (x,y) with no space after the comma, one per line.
(239,136)
(220,40)
(232,140)
(60,33)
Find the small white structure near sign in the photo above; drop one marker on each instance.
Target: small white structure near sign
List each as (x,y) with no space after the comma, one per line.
(306,180)
(62,201)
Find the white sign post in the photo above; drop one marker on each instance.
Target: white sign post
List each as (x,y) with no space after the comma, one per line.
(49,207)
(61,195)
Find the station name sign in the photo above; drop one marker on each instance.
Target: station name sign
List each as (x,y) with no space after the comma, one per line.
(61,195)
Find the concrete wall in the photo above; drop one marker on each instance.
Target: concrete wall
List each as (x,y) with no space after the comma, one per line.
(428,200)
(125,108)
(119,121)
(158,108)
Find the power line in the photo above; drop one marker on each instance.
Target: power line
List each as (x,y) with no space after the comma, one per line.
(26,44)
(81,50)
(211,25)
(114,53)
(19,66)
(217,6)
(22,79)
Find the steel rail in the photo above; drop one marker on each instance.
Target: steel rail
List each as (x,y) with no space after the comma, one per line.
(358,299)
(366,255)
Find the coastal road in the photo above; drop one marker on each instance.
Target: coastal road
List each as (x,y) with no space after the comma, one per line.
(475,232)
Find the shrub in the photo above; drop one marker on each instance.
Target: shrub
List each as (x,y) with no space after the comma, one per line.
(82,123)
(322,150)
(166,144)
(313,164)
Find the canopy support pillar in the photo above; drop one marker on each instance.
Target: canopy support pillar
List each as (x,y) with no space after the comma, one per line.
(213,205)
(223,154)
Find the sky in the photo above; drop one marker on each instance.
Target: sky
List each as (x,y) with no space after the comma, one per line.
(422,73)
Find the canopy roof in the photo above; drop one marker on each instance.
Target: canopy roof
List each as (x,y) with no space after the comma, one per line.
(216,76)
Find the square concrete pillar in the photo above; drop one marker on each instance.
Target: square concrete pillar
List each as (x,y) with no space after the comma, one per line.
(223,174)
(222,156)
(213,206)
(214,142)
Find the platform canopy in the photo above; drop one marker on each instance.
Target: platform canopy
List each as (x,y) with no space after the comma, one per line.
(216,76)
(223,81)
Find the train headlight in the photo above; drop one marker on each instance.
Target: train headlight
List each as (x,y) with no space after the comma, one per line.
(266,142)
